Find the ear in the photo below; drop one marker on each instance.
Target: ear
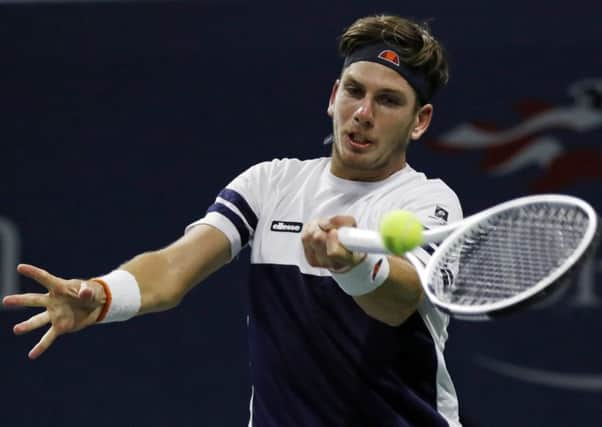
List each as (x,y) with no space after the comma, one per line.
(422,122)
(333,96)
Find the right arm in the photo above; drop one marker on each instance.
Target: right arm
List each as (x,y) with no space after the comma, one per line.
(166,275)
(163,276)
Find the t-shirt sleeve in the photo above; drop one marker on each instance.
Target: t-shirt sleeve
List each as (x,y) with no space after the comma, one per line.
(237,207)
(435,206)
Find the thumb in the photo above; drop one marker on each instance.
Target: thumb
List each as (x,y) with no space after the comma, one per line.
(339,221)
(91,293)
(325,224)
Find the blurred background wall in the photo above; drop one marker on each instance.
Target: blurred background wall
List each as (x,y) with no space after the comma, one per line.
(120,122)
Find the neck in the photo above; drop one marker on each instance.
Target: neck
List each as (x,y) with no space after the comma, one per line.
(369,175)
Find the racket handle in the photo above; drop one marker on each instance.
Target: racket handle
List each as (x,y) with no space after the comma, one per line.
(359,240)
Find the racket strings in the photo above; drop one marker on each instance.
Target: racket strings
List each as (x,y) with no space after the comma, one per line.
(508,254)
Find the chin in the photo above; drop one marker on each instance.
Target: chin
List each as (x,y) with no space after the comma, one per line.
(358,163)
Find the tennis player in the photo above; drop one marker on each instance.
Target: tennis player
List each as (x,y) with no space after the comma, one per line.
(336,338)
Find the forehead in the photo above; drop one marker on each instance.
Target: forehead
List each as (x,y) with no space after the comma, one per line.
(376,76)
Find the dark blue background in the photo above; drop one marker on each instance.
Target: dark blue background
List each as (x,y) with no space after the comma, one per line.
(121,121)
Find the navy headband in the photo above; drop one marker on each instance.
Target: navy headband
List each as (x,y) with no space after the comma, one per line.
(382,53)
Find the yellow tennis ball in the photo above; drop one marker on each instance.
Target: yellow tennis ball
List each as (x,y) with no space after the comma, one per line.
(401,231)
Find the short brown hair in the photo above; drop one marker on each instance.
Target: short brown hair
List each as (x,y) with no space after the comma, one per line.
(414,42)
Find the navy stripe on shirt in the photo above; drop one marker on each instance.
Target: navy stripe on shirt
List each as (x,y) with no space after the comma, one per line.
(243,231)
(430,248)
(239,201)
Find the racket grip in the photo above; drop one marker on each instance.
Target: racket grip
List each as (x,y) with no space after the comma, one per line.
(359,240)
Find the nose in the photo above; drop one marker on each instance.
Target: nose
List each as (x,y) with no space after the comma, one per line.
(364,115)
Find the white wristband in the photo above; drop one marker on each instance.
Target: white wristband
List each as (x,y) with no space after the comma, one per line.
(364,277)
(123,296)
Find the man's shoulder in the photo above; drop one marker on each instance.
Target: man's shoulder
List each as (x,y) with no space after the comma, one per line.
(413,181)
(437,186)
(421,193)
(436,190)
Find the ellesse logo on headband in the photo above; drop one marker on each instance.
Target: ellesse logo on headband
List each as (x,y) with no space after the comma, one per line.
(389,56)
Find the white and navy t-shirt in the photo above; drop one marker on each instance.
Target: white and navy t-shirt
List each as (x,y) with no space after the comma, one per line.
(316,358)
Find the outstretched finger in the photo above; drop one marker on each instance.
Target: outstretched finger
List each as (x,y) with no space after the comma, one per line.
(43,277)
(34,322)
(43,344)
(25,300)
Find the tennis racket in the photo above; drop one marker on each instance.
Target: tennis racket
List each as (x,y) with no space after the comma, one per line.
(501,259)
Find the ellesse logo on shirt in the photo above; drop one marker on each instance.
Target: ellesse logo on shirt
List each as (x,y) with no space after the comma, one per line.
(286,226)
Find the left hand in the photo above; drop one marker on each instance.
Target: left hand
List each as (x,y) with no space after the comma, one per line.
(322,247)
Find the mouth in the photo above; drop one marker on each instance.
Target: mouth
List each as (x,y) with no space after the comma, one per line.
(357,140)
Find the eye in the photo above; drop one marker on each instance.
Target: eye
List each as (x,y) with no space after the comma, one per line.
(389,100)
(354,91)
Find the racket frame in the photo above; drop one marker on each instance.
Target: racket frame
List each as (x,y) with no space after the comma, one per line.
(482,312)
(371,241)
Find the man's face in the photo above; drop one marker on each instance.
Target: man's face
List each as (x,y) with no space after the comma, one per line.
(374,117)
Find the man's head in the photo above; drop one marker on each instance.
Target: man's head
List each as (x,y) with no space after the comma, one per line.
(392,68)
(419,53)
